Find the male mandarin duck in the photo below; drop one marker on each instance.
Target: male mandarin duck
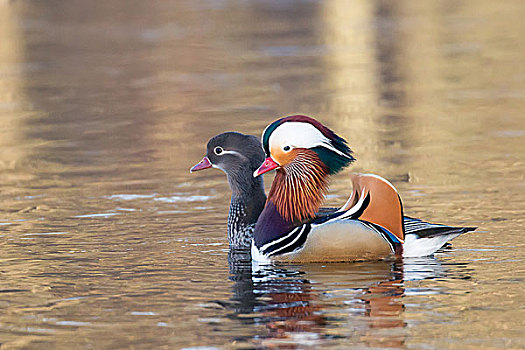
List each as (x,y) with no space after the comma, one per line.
(369,226)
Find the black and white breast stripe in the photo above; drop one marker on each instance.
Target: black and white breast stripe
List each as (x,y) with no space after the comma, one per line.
(288,243)
(296,238)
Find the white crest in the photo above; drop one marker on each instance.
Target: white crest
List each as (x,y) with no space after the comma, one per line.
(300,135)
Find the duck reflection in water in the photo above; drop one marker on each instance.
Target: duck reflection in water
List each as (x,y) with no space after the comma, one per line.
(313,304)
(279,298)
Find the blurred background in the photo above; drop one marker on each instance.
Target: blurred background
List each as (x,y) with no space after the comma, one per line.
(107,241)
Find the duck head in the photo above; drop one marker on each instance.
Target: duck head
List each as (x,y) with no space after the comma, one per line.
(237,155)
(305,153)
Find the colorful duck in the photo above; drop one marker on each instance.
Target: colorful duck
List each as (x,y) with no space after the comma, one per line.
(369,226)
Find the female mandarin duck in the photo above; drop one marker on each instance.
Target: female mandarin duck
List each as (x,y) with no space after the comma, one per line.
(238,155)
(369,226)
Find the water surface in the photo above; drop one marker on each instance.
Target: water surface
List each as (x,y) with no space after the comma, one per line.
(107,241)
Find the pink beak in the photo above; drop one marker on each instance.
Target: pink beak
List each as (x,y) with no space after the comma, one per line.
(269,164)
(203,164)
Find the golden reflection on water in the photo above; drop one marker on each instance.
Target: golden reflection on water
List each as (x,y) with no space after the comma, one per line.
(11,90)
(107,241)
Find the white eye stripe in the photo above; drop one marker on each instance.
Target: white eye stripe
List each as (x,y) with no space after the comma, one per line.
(301,135)
(231,152)
(220,151)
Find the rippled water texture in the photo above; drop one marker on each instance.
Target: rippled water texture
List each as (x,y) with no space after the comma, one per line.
(108,242)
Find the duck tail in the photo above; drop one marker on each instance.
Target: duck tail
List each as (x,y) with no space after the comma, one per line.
(424,238)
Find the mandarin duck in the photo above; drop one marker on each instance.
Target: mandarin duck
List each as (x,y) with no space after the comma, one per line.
(371,225)
(238,156)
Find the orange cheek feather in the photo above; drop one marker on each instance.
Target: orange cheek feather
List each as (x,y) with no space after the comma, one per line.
(281,157)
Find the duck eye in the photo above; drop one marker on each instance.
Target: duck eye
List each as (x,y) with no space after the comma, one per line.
(218,150)
(286,148)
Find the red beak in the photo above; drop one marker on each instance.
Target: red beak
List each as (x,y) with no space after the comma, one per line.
(269,164)
(203,164)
